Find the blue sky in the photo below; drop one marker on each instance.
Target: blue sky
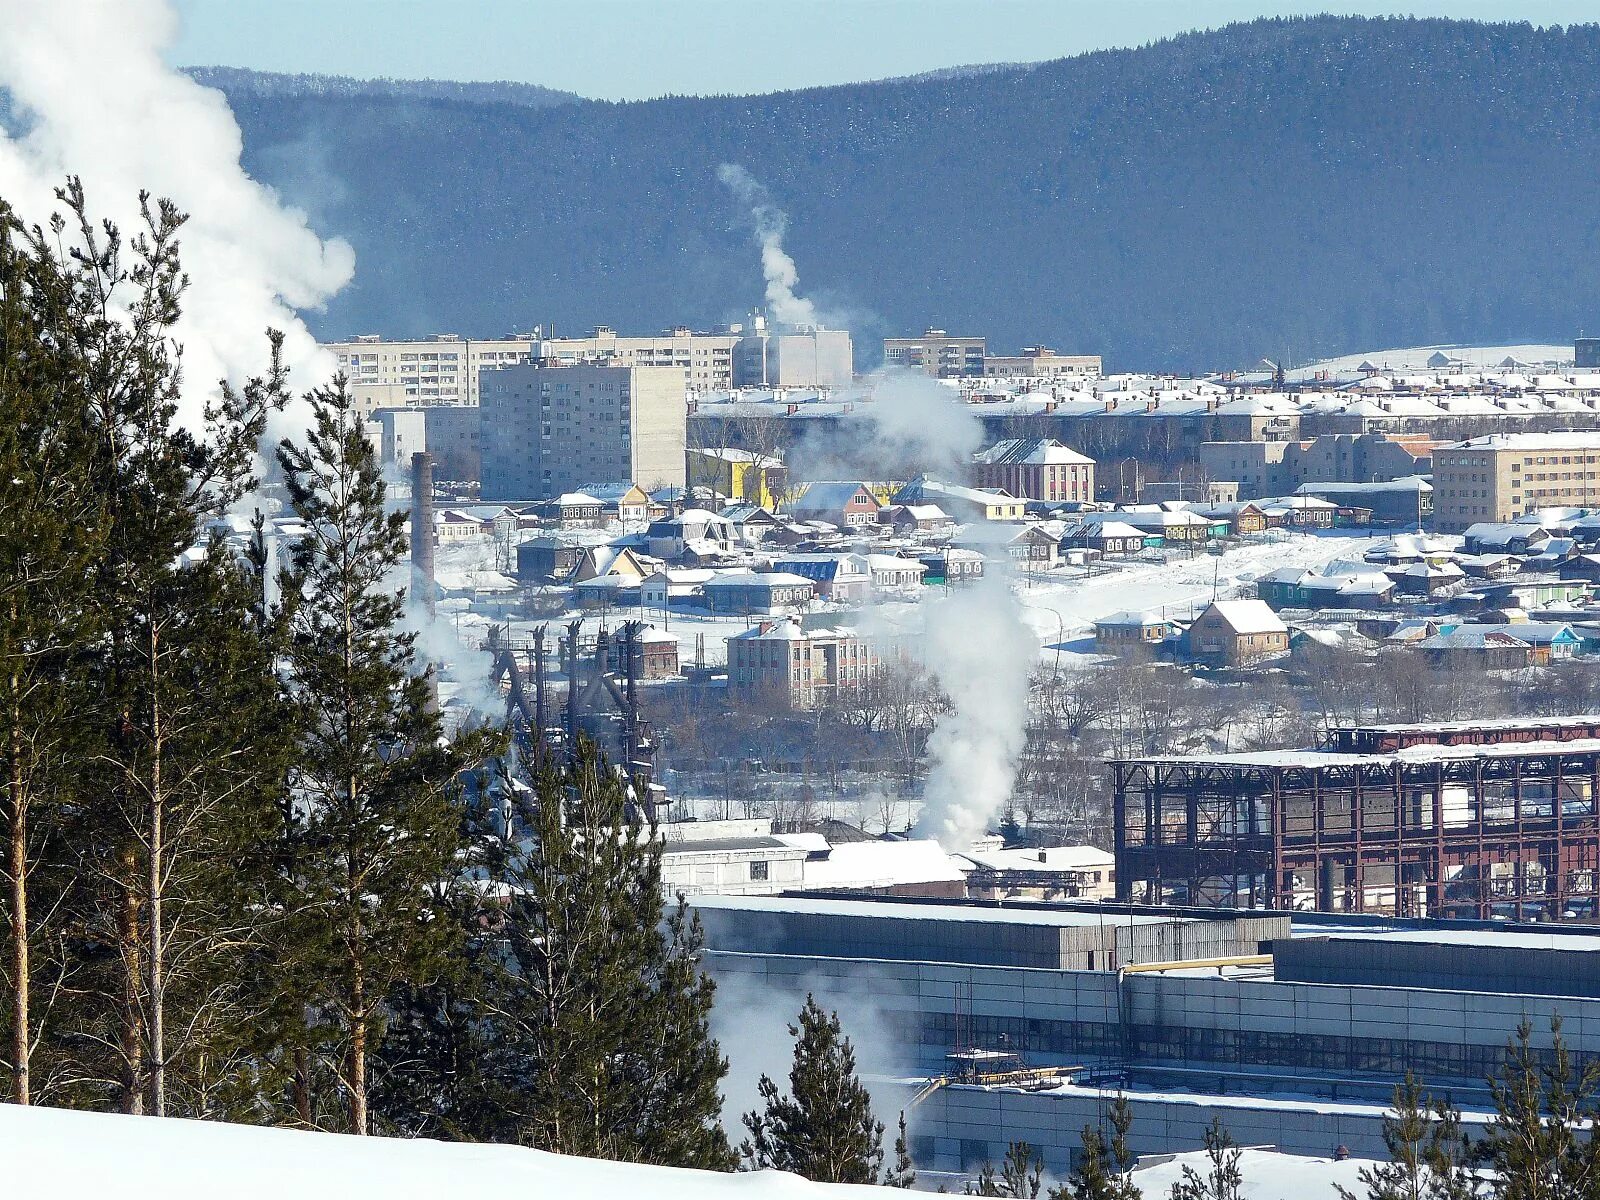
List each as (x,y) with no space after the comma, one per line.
(632,49)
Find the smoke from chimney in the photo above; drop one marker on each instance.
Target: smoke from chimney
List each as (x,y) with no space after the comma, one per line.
(92,97)
(973,639)
(770,224)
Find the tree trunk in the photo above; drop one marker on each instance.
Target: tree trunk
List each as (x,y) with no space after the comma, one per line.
(128,918)
(358,1048)
(21,1032)
(156,953)
(302,1085)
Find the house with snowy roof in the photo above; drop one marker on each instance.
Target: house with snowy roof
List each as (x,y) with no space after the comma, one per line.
(751,593)
(1236,632)
(1133,632)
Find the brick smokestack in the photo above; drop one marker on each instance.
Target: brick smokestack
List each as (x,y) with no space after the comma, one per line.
(422,529)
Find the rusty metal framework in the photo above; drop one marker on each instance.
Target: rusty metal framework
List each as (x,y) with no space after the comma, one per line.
(1508,832)
(598,691)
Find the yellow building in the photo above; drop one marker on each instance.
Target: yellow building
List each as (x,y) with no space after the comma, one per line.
(743,476)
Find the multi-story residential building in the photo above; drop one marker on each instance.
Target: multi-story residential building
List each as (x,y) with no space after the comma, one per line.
(444,369)
(1036,469)
(437,370)
(453,440)
(1041,362)
(938,354)
(785,357)
(548,429)
(706,357)
(1503,475)
(778,661)
(1278,468)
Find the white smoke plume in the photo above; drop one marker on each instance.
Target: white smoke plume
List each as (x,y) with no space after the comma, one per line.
(91,96)
(974,639)
(770,225)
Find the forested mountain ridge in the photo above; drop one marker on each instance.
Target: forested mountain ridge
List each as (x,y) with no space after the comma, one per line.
(1292,187)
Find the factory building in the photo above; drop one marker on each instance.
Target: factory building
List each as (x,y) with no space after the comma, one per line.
(1021,1021)
(1480,819)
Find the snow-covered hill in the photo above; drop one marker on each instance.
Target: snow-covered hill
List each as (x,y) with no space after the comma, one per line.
(47,1152)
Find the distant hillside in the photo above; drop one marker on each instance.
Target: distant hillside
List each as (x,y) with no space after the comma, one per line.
(238,82)
(1296,187)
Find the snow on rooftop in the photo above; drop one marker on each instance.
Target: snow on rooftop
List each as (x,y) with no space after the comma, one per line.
(1267,1175)
(883,864)
(994,914)
(54,1152)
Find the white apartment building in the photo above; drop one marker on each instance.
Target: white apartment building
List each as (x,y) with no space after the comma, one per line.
(545,430)
(706,357)
(437,370)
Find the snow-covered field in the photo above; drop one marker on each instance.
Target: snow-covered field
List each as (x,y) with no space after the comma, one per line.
(52,1152)
(1179,588)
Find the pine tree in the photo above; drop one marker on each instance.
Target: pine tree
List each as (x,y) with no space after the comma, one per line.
(47,539)
(823,1129)
(904,1172)
(1542,1143)
(376,821)
(602,1027)
(1429,1157)
(174,688)
(1222,1179)
(1021,1174)
(1105,1168)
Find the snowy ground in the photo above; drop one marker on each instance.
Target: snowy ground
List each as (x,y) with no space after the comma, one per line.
(1060,606)
(52,1152)
(1066,611)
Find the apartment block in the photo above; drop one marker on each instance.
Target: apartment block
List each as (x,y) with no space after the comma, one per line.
(453,440)
(548,429)
(706,358)
(436,370)
(1040,362)
(938,354)
(1504,475)
(778,661)
(1036,469)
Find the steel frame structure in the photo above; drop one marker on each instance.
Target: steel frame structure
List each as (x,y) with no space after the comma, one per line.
(1242,833)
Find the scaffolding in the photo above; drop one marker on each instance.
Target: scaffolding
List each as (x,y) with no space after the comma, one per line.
(1401,820)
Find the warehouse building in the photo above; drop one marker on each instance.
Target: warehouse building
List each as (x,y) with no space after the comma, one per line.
(988,1025)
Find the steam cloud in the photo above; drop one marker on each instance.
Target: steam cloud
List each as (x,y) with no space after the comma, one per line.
(770,224)
(92,97)
(974,640)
